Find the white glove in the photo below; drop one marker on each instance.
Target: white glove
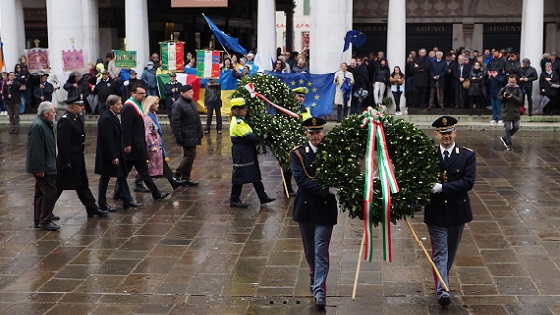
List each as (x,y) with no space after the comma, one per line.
(333,190)
(125,83)
(437,188)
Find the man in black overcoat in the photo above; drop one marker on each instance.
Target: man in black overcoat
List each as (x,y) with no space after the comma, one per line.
(70,161)
(109,157)
(133,140)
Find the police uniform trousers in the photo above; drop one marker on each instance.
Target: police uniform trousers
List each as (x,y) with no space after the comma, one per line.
(316,240)
(84,193)
(445,243)
(44,199)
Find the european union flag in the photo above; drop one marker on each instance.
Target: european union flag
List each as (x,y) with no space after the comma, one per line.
(321,90)
(357,39)
(224,39)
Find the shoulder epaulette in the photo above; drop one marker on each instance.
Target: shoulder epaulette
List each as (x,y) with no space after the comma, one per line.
(468,149)
(296,147)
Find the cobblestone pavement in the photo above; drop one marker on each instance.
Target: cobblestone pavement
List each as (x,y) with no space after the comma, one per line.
(192,254)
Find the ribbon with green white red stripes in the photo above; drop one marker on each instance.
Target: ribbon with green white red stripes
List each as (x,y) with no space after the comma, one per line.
(372,120)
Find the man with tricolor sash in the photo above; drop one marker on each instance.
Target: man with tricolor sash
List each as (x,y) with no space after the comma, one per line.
(449,208)
(315,209)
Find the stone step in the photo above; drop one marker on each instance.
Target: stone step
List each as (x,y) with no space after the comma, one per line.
(422,120)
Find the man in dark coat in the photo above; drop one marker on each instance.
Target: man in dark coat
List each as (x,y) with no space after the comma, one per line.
(72,174)
(76,87)
(449,208)
(527,74)
(315,209)
(109,157)
(461,72)
(421,77)
(44,91)
(511,98)
(105,87)
(41,162)
(187,128)
(133,141)
(12,97)
(438,70)
(171,92)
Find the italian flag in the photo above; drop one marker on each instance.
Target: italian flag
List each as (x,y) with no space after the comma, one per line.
(207,64)
(172,56)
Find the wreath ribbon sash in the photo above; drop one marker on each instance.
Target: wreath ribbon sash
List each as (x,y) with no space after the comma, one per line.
(372,120)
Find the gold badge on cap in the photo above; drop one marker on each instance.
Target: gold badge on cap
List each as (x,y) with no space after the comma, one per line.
(444,120)
(314,122)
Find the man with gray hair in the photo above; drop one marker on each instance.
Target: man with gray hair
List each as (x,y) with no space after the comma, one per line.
(41,162)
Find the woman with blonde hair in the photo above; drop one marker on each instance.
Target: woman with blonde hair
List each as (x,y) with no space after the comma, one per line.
(157,167)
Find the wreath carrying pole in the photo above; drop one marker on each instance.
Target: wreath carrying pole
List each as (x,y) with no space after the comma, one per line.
(284,181)
(358,268)
(427,255)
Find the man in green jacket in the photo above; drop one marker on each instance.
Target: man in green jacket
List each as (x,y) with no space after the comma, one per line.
(41,162)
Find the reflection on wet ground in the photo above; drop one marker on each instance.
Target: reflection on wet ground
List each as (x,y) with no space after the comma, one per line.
(192,254)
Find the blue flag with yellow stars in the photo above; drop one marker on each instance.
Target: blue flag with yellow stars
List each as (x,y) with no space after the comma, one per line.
(357,39)
(321,87)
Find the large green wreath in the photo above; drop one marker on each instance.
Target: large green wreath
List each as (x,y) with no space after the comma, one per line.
(411,152)
(281,132)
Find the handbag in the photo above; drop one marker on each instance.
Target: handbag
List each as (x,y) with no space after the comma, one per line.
(466,84)
(521,110)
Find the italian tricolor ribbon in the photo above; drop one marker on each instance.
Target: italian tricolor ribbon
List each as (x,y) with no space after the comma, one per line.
(372,120)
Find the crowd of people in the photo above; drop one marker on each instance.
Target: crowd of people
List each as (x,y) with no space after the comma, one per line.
(453,79)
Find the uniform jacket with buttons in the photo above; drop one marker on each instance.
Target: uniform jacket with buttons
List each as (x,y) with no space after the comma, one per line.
(71,146)
(313,203)
(452,205)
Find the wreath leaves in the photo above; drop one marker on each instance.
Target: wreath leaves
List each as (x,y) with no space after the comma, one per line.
(411,152)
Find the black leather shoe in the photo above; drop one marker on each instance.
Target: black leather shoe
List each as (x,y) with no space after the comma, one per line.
(191,183)
(99,213)
(49,226)
(267,200)
(132,204)
(139,187)
(107,208)
(444,300)
(238,204)
(320,303)
(160,195)
(175,183)
(55,217)
(291,193)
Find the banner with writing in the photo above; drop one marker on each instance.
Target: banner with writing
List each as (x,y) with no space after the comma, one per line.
(125,58)
(207,64)
(38,60)
(73,60)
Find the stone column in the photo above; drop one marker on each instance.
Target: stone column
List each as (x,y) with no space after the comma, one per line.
(12,31)
(137,38)
(327,35)
(290,30)
(64,25)
(347,55)
(532,30)
(90,30)
(396,29)
(266,33)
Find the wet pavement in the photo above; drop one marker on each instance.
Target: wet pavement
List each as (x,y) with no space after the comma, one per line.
(192,254)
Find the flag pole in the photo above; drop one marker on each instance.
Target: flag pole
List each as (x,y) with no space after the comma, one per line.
(427,255)
(284,181)
(355,288)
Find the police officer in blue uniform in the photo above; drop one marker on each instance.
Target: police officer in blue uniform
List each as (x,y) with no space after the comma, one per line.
(315,209)
(449,208)
(244,155)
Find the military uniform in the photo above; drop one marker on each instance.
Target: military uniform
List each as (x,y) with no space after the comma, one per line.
(315,209)
(71,164)
(449,208)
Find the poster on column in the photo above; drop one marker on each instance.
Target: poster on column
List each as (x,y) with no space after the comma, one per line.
(125,58)
(207,64)
(37,60)
(73,60)
(172,55)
